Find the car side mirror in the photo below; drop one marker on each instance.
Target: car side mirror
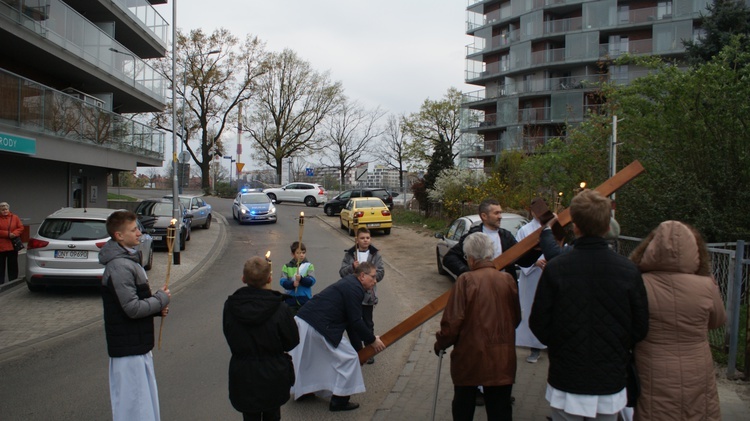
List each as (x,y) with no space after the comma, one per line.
(440,235)
(273,201)
(189,215)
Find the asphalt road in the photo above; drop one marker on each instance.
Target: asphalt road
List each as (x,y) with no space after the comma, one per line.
(66,378)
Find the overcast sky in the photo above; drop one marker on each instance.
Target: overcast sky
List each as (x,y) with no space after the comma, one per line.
(388,53)
(391,53)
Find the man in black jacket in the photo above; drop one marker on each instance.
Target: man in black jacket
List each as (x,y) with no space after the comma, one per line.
(590,309)
(325,362)
(491,214)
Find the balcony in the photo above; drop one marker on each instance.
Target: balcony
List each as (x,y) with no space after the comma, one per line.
(28,105)
(61,25)
(614,50)
(563,25)
(144,13)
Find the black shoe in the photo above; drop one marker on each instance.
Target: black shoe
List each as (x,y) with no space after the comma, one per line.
(371,361)
(345,407)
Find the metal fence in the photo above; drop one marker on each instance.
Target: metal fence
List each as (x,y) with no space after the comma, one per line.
(732,275)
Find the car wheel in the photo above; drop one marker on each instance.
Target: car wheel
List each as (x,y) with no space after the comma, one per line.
(310,202)
(272,197)
(328,210)
(207,225)
(189,232)
(34,288)
(387,231)
(351,231)
(150,262)
(441,270)
(341,222)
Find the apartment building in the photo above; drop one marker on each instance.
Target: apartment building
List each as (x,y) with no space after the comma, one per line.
(70,73)
(538,62)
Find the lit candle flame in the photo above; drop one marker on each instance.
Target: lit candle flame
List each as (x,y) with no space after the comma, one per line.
(173,221)
(583,184)
(301,214)
(268,255)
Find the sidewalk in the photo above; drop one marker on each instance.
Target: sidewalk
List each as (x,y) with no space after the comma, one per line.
(27,318)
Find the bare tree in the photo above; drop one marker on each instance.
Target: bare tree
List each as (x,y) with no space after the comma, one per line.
(393,144)
(214,77)
(292,100)
(349,135)
(436,122)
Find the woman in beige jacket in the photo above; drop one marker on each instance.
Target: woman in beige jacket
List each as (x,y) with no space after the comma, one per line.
(674,361)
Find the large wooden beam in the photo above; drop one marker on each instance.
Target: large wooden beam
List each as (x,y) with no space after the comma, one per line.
(509,256)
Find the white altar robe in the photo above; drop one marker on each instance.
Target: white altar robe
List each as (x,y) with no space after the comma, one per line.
(323,369)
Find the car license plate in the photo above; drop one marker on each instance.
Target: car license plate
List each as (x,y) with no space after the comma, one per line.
(260,216)
(156,237)
(373,225)
(71,254)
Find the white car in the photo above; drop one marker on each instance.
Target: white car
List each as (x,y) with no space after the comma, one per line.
(253,207)
(65,250)
(310,194)
(460,226)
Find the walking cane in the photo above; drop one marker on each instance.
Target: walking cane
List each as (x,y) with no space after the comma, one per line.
(437,383)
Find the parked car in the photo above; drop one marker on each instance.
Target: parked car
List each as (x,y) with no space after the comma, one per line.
(253,207)
(369,212)
(197,207)
(65,250)
(460,226)
(335,205)
(156,216)
(310,194)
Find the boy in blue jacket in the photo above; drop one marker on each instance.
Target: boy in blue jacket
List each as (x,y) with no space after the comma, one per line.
(298,277)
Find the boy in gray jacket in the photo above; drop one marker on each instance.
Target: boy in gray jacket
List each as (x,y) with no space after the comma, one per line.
(363,251)
(129,311)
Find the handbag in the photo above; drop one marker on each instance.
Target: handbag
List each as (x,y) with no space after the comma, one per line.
(633,382)
(17,243)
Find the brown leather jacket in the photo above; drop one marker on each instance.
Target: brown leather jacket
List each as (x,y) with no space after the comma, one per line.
(480,320)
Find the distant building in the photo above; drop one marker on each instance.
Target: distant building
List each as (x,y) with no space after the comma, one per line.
(538,62)
(68,71)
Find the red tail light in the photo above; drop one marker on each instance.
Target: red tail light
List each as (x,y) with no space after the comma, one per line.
(36,244)
(101,244)
(359,214)
(385,212)
(321,190)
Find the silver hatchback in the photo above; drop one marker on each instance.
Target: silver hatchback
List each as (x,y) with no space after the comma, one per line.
(65,250)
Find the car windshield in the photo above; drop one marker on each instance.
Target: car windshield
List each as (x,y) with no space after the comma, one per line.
(254,199)
(155,209)
(73,229)
(370,203)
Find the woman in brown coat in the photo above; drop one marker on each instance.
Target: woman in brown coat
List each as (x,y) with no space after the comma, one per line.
(480,320)
(674,361)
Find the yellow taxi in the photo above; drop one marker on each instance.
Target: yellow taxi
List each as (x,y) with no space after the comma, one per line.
(370,212)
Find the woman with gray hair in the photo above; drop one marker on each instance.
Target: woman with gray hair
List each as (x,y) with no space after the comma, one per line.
(10,227)
(480,322)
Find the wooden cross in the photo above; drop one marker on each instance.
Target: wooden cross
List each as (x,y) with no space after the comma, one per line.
(509,256)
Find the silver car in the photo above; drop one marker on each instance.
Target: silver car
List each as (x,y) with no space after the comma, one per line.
(65,250)
(199,208)
(253,207)
(460,226)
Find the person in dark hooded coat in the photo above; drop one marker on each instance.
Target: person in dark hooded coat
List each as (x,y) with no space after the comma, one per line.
(260,329)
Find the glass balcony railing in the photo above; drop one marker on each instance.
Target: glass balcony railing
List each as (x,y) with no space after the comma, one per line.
(616,49)
(63,26)
(478,121)
(146,16)
(40,109)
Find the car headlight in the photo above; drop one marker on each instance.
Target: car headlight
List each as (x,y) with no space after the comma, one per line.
(243,210)
(272,210)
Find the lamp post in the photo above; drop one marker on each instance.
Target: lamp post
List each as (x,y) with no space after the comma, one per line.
(175,190)
(184,97)
(231,161)
(115,50)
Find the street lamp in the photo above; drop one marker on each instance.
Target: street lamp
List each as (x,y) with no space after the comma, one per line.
(231,161)
(184,97)
(175,190)
(115,50)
